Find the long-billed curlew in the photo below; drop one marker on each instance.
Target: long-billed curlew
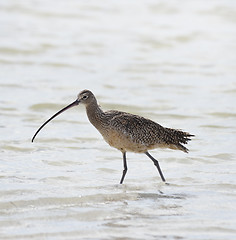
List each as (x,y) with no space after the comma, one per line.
(128,132)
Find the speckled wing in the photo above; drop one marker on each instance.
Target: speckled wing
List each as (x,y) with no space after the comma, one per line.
(147,132)
(139,129)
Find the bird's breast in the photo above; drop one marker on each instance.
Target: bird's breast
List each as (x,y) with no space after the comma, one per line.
(122,142)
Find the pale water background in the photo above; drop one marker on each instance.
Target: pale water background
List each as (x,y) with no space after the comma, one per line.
(171,61)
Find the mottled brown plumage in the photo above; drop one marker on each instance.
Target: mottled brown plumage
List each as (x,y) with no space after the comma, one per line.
(128,132)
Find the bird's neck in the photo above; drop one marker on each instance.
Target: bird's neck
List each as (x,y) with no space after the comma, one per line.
(95,114)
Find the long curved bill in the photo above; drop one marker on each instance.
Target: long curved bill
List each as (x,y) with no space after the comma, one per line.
(75,103)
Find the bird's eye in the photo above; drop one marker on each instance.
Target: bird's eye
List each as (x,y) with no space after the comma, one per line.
(85,97)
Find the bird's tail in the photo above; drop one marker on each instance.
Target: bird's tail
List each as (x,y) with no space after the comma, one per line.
(177,138)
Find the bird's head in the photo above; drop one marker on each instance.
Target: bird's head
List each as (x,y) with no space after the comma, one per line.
(86,97)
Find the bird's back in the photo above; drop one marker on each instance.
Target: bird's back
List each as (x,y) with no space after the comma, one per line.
(138,134)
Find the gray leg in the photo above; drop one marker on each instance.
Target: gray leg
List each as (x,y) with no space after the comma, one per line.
(156,164)
(125,168)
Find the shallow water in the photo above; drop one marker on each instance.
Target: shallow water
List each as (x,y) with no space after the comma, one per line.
(173,63)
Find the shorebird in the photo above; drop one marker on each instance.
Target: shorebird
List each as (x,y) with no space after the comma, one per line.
(128,132)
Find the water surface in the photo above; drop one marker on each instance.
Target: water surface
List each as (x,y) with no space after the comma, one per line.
(171,62)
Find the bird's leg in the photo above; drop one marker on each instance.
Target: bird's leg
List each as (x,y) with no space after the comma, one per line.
(125,168)
(156,164)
